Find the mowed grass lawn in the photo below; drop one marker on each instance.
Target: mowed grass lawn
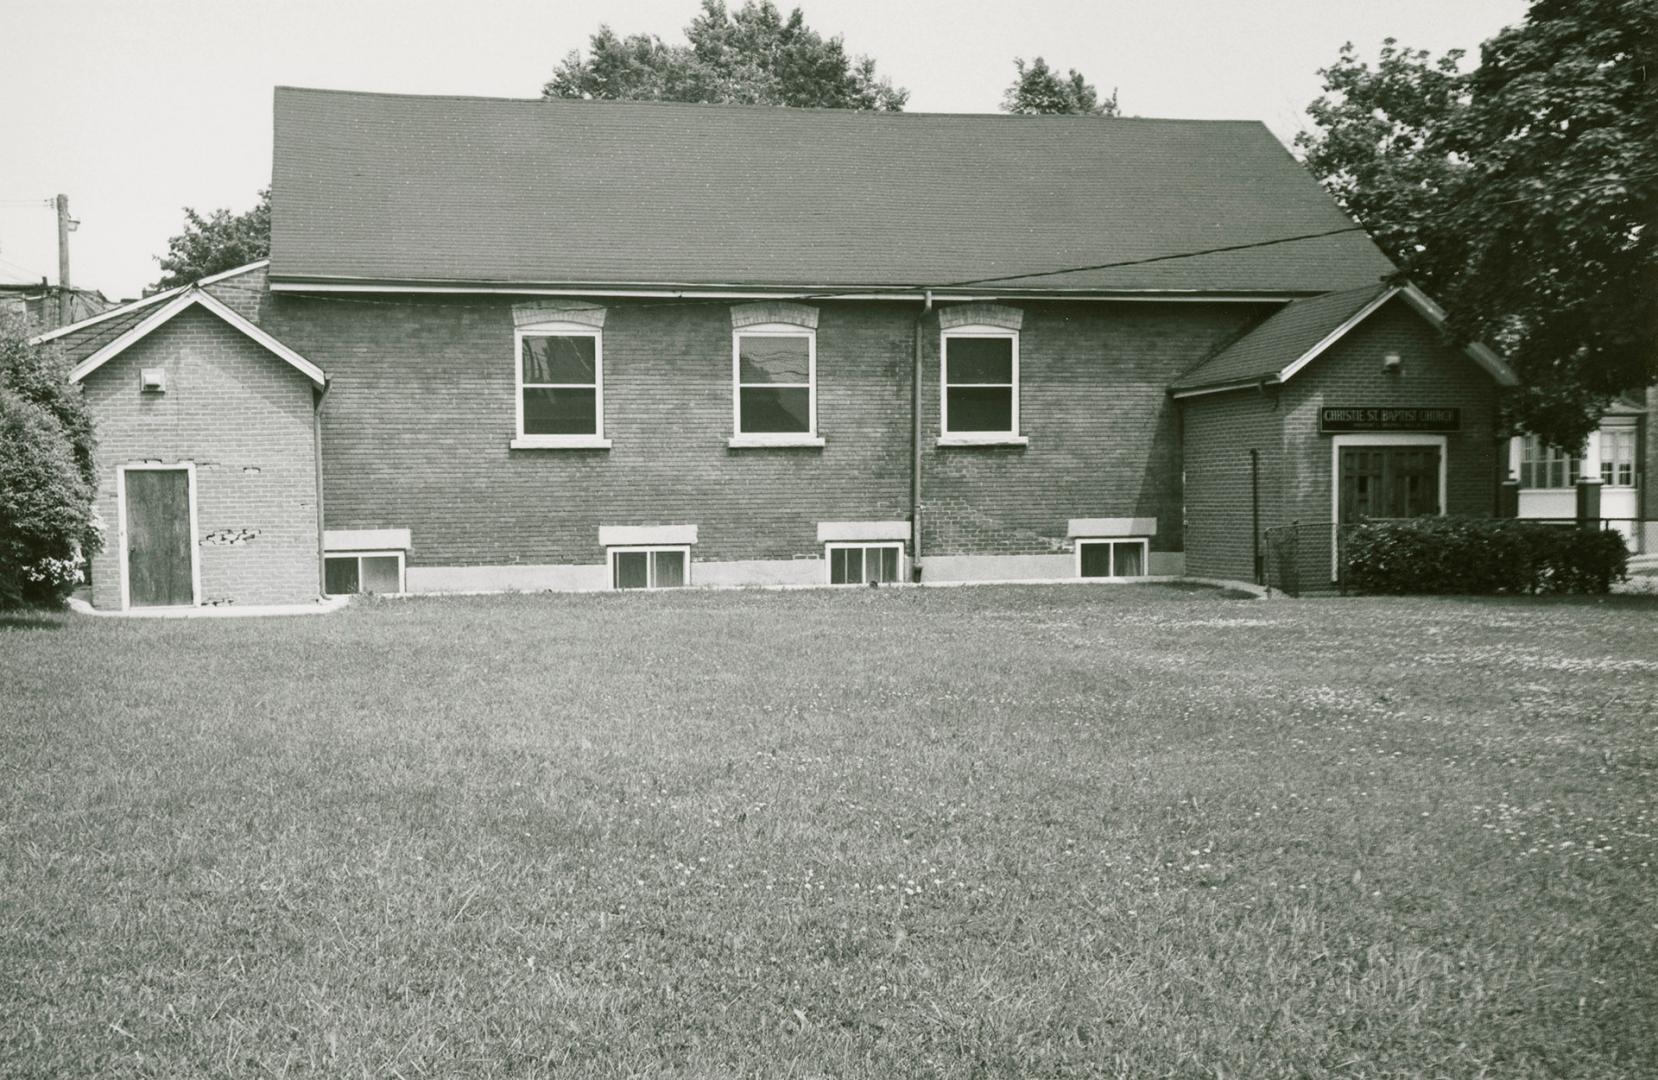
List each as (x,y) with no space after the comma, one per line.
(1139,831)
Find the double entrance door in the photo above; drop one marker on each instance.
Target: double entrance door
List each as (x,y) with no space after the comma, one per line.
(1389,482)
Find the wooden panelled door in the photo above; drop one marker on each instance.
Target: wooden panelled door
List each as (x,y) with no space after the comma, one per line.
(158,538)
(1389,482)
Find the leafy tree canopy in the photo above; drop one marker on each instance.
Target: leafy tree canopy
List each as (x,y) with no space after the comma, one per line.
(1037,88)
(220,241)
(1523,194)
(750,56)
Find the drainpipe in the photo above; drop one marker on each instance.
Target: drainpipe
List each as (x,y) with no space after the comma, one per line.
(915,440)
(1255,511)
(316,450)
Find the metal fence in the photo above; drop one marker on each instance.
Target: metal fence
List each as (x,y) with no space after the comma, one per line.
(1309,558)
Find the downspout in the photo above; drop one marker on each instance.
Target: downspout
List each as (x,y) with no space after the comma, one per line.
(317,395)
(915,440)
(1255,512)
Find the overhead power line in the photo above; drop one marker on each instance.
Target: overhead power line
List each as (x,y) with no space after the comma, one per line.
(1149,259)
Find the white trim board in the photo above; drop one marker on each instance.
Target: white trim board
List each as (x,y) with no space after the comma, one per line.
(124,554)
(1107,528)
(190,298)
(344,540)
(854,531)
(647,535)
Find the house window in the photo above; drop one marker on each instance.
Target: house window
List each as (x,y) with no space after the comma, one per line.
(1545,466)
(863,564)
(980,382)
(775,373)
(1111,558)
(363,572)
(650,567)
(560,386)
(1617,457)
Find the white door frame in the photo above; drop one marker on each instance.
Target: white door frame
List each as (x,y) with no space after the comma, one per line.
(189,469)
(1376,438)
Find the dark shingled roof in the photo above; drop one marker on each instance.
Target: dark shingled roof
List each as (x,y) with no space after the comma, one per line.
(388,188)
(1279,341)
(80,344)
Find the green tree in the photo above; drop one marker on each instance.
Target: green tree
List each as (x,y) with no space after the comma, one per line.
(1523,194)
(752,55)
(1037,88)
(47,476)
(220,241)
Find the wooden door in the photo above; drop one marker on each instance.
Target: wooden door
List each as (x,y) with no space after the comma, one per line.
(159,572)
(1389,482)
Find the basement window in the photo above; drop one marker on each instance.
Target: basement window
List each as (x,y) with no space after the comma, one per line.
(649,567)
(864,564)
(1111,558)
(363,572)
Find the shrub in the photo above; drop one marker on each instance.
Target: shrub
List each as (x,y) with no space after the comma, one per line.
(1477,555)
(47,478)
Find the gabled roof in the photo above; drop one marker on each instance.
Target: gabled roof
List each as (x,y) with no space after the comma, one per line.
(122,316)
(137,320)
(382,189)
(1298,334)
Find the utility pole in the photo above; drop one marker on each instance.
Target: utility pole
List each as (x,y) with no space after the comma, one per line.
(62,203)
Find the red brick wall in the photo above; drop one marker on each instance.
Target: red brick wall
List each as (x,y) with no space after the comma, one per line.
(420,411)
(1219,431)
(245,418)
(1104,436)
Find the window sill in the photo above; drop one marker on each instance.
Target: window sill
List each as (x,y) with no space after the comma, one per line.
(765,442)
(984,439)
(559,442)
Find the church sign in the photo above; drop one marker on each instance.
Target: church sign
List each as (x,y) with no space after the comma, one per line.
(1333,419)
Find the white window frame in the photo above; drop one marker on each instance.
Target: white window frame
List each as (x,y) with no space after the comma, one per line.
(1011,437)
(402,579)
(1534,452)
(1145,556)
(650,565)
(1610,434)
(595,441)
(830,547)
(741,438)
(124,554)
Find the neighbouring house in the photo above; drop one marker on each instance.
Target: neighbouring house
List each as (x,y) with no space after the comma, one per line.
(42,306)
(1613,477)
(590,345)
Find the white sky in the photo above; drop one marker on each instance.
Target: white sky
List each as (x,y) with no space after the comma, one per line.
(137,109)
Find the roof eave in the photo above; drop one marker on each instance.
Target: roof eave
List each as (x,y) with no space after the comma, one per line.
(307,283)
(186,297)
(1259,382)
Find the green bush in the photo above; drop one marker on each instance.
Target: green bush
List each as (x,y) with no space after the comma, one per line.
(1479,556)
(47,478)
